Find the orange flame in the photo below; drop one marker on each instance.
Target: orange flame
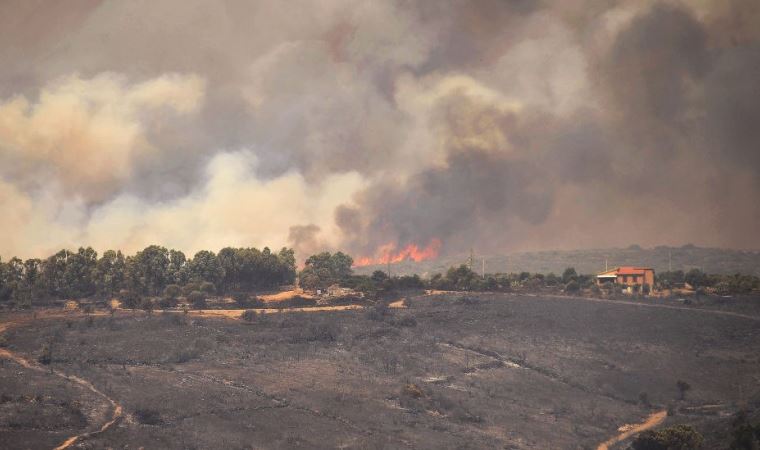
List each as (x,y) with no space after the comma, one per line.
(389,253)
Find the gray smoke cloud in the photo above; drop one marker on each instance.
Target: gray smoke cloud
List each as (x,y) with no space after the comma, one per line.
(349,124)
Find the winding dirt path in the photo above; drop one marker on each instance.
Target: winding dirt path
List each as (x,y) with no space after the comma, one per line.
(627,431)
(117,409)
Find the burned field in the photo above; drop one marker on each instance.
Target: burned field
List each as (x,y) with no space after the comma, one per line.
(482,371)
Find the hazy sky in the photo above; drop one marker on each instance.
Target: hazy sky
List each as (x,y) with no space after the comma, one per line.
(495,124)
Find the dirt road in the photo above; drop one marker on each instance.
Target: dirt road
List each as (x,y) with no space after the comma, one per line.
(627,431)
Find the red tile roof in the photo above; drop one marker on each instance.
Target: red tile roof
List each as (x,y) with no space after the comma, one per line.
(626,270)
(631,270)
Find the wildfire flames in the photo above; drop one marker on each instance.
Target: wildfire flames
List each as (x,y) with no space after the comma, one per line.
(390,253)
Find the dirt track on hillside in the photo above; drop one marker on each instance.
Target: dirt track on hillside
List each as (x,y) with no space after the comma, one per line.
(7,354)
(652,421)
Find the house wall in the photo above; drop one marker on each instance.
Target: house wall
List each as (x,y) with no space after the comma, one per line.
(631,280)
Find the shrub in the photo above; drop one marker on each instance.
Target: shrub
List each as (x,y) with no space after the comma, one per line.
(412,390)
(147,305)
(190,288)
(208,287)
(148,416)
(172,291)
(322,332)
(197,300)
(404,320)
(46,356)
(377,312)
(174,319)
(678,437)
(128,298)
(167,302)
(683,387)
(464,300)
(249,315)
(572,287)
(241,299)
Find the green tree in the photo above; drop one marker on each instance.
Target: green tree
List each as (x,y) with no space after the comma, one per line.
(205,267)
(569,275)
(683,387)
(323,269)
(109,274)
(151,269)
(696,278)
(177,270)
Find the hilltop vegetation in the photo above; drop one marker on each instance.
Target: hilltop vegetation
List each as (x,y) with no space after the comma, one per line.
(157,276)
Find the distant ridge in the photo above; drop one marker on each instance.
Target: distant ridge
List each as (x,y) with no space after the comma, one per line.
(687,257)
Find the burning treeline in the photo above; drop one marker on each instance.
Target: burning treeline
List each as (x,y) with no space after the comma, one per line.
(391,253)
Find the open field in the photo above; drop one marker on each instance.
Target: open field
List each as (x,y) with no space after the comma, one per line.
(482,371)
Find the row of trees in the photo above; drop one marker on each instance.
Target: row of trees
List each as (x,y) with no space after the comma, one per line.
(149,272)
(721,284)
(82,274)
(325,269)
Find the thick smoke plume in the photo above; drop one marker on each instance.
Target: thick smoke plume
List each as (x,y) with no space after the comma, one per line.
(394,128)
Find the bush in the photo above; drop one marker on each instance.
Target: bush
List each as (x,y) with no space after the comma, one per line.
(377,312)
(464,300)
(147,416)
(241,299)
(172,291)
(405,320)
(46,356)
(208,287)
(678,437)
(683,387)
(190,287)
(128,298)
(572,287)
(197,300)
(147,305)
(322,332)
(174,319)
(249,315)
(167,302)
(412,390)
(244,300)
